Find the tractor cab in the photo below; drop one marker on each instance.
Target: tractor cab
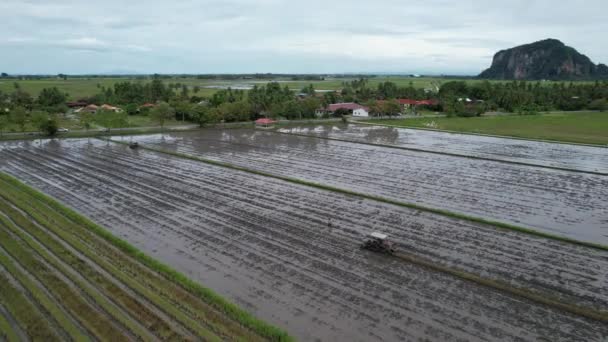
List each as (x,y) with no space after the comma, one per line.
(378,242)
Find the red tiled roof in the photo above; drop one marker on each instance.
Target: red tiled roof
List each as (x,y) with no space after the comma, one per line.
(417,102)
(264,121)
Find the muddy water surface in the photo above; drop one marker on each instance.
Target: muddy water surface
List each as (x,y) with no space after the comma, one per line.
(566,203)
(289,253)
(570,156)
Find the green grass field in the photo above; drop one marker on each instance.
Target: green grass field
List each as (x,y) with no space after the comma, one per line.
(82,87)
(587,128)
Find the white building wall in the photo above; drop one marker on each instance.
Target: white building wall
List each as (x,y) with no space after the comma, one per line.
(360,112)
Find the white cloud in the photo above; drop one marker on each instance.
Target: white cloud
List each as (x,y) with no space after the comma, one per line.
(278,35)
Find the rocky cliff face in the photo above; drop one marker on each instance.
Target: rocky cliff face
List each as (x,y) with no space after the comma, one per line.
(547,59)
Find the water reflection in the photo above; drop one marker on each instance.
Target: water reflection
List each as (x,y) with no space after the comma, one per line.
(384,135)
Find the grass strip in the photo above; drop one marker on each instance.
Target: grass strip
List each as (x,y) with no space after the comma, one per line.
(553,141)
(179,297)
(450,154)
(43,299)
(231,310)
(7,332)
(27,315)
(159,327)
(226,328)
(98,324)
(152,297)
(492,223)
(556,303)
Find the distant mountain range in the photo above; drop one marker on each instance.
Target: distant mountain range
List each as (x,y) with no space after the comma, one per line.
(548,59)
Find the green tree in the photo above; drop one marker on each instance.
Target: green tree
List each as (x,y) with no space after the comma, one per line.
(375,108)
(182,108)
(39,119)
(19,117)
(201,114)
(309,107)
(185,92)
(21,98)
(599,104)
(51,97)
(161,113)
(86,120)
(391,107)
(111,119)
(50,126)
(308,90)
(131,109)
(3,124)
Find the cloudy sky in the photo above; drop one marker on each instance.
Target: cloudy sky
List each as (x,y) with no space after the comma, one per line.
(280,36)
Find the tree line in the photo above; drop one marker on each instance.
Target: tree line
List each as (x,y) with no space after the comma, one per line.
(525,97)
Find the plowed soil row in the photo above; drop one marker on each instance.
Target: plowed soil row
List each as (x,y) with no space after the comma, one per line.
(557,202)
(568,156)
(290,253)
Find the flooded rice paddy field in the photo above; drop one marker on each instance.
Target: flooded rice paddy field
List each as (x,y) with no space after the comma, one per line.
(559,202)
(289,253)
(569,156)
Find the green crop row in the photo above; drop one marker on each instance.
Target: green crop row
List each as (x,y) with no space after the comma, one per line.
(111,291)
(28,317)
(71,300)
(109,267)
(229,309)
(138,277)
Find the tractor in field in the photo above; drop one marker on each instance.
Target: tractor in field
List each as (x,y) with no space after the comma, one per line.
(378,242)
(133,144)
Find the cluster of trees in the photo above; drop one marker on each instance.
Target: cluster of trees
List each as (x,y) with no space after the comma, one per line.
(19,108)
(525,97)
(270,100)
(134,93)
(360,91)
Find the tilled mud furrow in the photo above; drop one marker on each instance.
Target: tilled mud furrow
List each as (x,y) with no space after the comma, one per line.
(235,232)
(550,200)
(584,158)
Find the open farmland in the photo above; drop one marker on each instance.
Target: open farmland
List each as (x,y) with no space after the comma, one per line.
(289,253)
(567,156)
(558,202)
(61,278)
(577,127)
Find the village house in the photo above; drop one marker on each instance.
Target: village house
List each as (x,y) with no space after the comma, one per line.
(88,109)
(409,103)
(355,109)
(108,108)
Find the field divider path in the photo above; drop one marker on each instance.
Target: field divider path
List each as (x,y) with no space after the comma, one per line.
(478,134)
(497,285)
(492,223)
(451,154)
(232,311)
